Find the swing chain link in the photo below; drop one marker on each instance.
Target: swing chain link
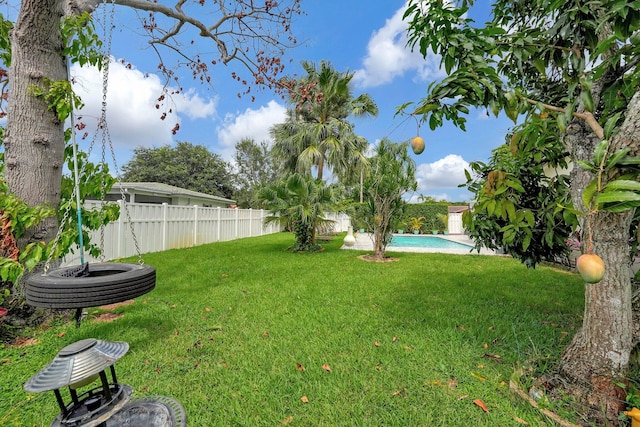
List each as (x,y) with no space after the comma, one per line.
(106,136)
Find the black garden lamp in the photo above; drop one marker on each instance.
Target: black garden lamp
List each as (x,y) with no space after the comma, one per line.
(108,404)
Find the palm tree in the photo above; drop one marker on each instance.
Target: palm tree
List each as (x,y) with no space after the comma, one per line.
(299,201)
(316,132)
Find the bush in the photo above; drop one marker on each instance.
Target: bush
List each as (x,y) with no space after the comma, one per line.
(430,211)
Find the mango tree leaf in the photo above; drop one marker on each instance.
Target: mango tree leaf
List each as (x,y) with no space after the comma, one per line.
(610,125)
(515,185)
(616,157)
(629,161)
(426,108)
(623,184)
(587,166)
(528,216)
(621,207)
(600,151)
(617,197)
(588,193)
(561,120)
(587,100)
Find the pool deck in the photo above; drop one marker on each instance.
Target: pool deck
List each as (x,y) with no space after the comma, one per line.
(364,242)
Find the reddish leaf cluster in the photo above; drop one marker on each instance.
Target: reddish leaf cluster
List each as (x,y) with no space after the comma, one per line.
(8,246)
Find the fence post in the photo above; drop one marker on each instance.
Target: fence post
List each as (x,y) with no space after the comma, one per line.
(121,227)
(237,220)
(195,225)
(165,208)
(218,225)
(250,222)
(261,222)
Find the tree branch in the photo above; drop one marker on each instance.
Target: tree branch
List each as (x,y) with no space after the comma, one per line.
(587,116)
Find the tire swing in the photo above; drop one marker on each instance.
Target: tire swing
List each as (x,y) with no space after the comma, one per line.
(102,283)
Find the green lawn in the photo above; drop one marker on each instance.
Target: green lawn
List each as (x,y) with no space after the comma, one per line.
(243,332)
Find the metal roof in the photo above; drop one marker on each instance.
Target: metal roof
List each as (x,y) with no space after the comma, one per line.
(159,188)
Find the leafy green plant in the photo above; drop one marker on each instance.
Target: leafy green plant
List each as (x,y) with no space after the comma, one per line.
(391,175)
(444,218)
(519,208)
(616,195)
(416,223)
(299,201)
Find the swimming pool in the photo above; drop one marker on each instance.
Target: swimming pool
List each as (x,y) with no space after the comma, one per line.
(430,242)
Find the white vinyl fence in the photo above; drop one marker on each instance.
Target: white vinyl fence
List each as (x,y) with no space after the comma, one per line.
(160,227)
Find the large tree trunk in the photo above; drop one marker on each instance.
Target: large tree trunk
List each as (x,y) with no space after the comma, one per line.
(599,354)
(34,139)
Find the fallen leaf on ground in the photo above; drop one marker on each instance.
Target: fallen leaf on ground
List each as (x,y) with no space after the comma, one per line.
(464,396)
(478,376)
(61,334)
(326,367)
(207,309)
(287,420)
(406,347)
(394,339)
(521,421)
(376,343)
(460,327)
(300,367)
(453,383)
(304,399)
(485,345)
(481,404)
(399,392)
(494,357)
(196,364)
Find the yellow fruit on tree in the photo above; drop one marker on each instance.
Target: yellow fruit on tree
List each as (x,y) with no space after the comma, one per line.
(591,267)
(417,145)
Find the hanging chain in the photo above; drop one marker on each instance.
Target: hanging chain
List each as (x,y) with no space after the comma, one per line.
(106,137)
(108,17)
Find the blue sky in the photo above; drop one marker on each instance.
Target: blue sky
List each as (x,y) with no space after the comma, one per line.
(362,36)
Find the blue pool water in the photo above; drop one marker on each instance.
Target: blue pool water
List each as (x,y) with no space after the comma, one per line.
(432,242)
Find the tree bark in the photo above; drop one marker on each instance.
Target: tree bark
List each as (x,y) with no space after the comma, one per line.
(599,354)
(34,139)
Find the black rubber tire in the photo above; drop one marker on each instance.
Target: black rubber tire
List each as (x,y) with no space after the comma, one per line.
(106,283)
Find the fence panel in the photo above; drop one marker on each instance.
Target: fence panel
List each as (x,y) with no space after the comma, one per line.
(161,227)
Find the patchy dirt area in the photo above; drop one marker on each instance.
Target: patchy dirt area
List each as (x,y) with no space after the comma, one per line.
(371,258)
(116,305)
(107,317)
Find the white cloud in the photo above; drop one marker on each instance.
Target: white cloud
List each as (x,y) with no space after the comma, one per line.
(446,173)
(388,56)
(254,124)
(132,116)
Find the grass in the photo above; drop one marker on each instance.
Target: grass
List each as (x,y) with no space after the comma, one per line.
(242,333)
